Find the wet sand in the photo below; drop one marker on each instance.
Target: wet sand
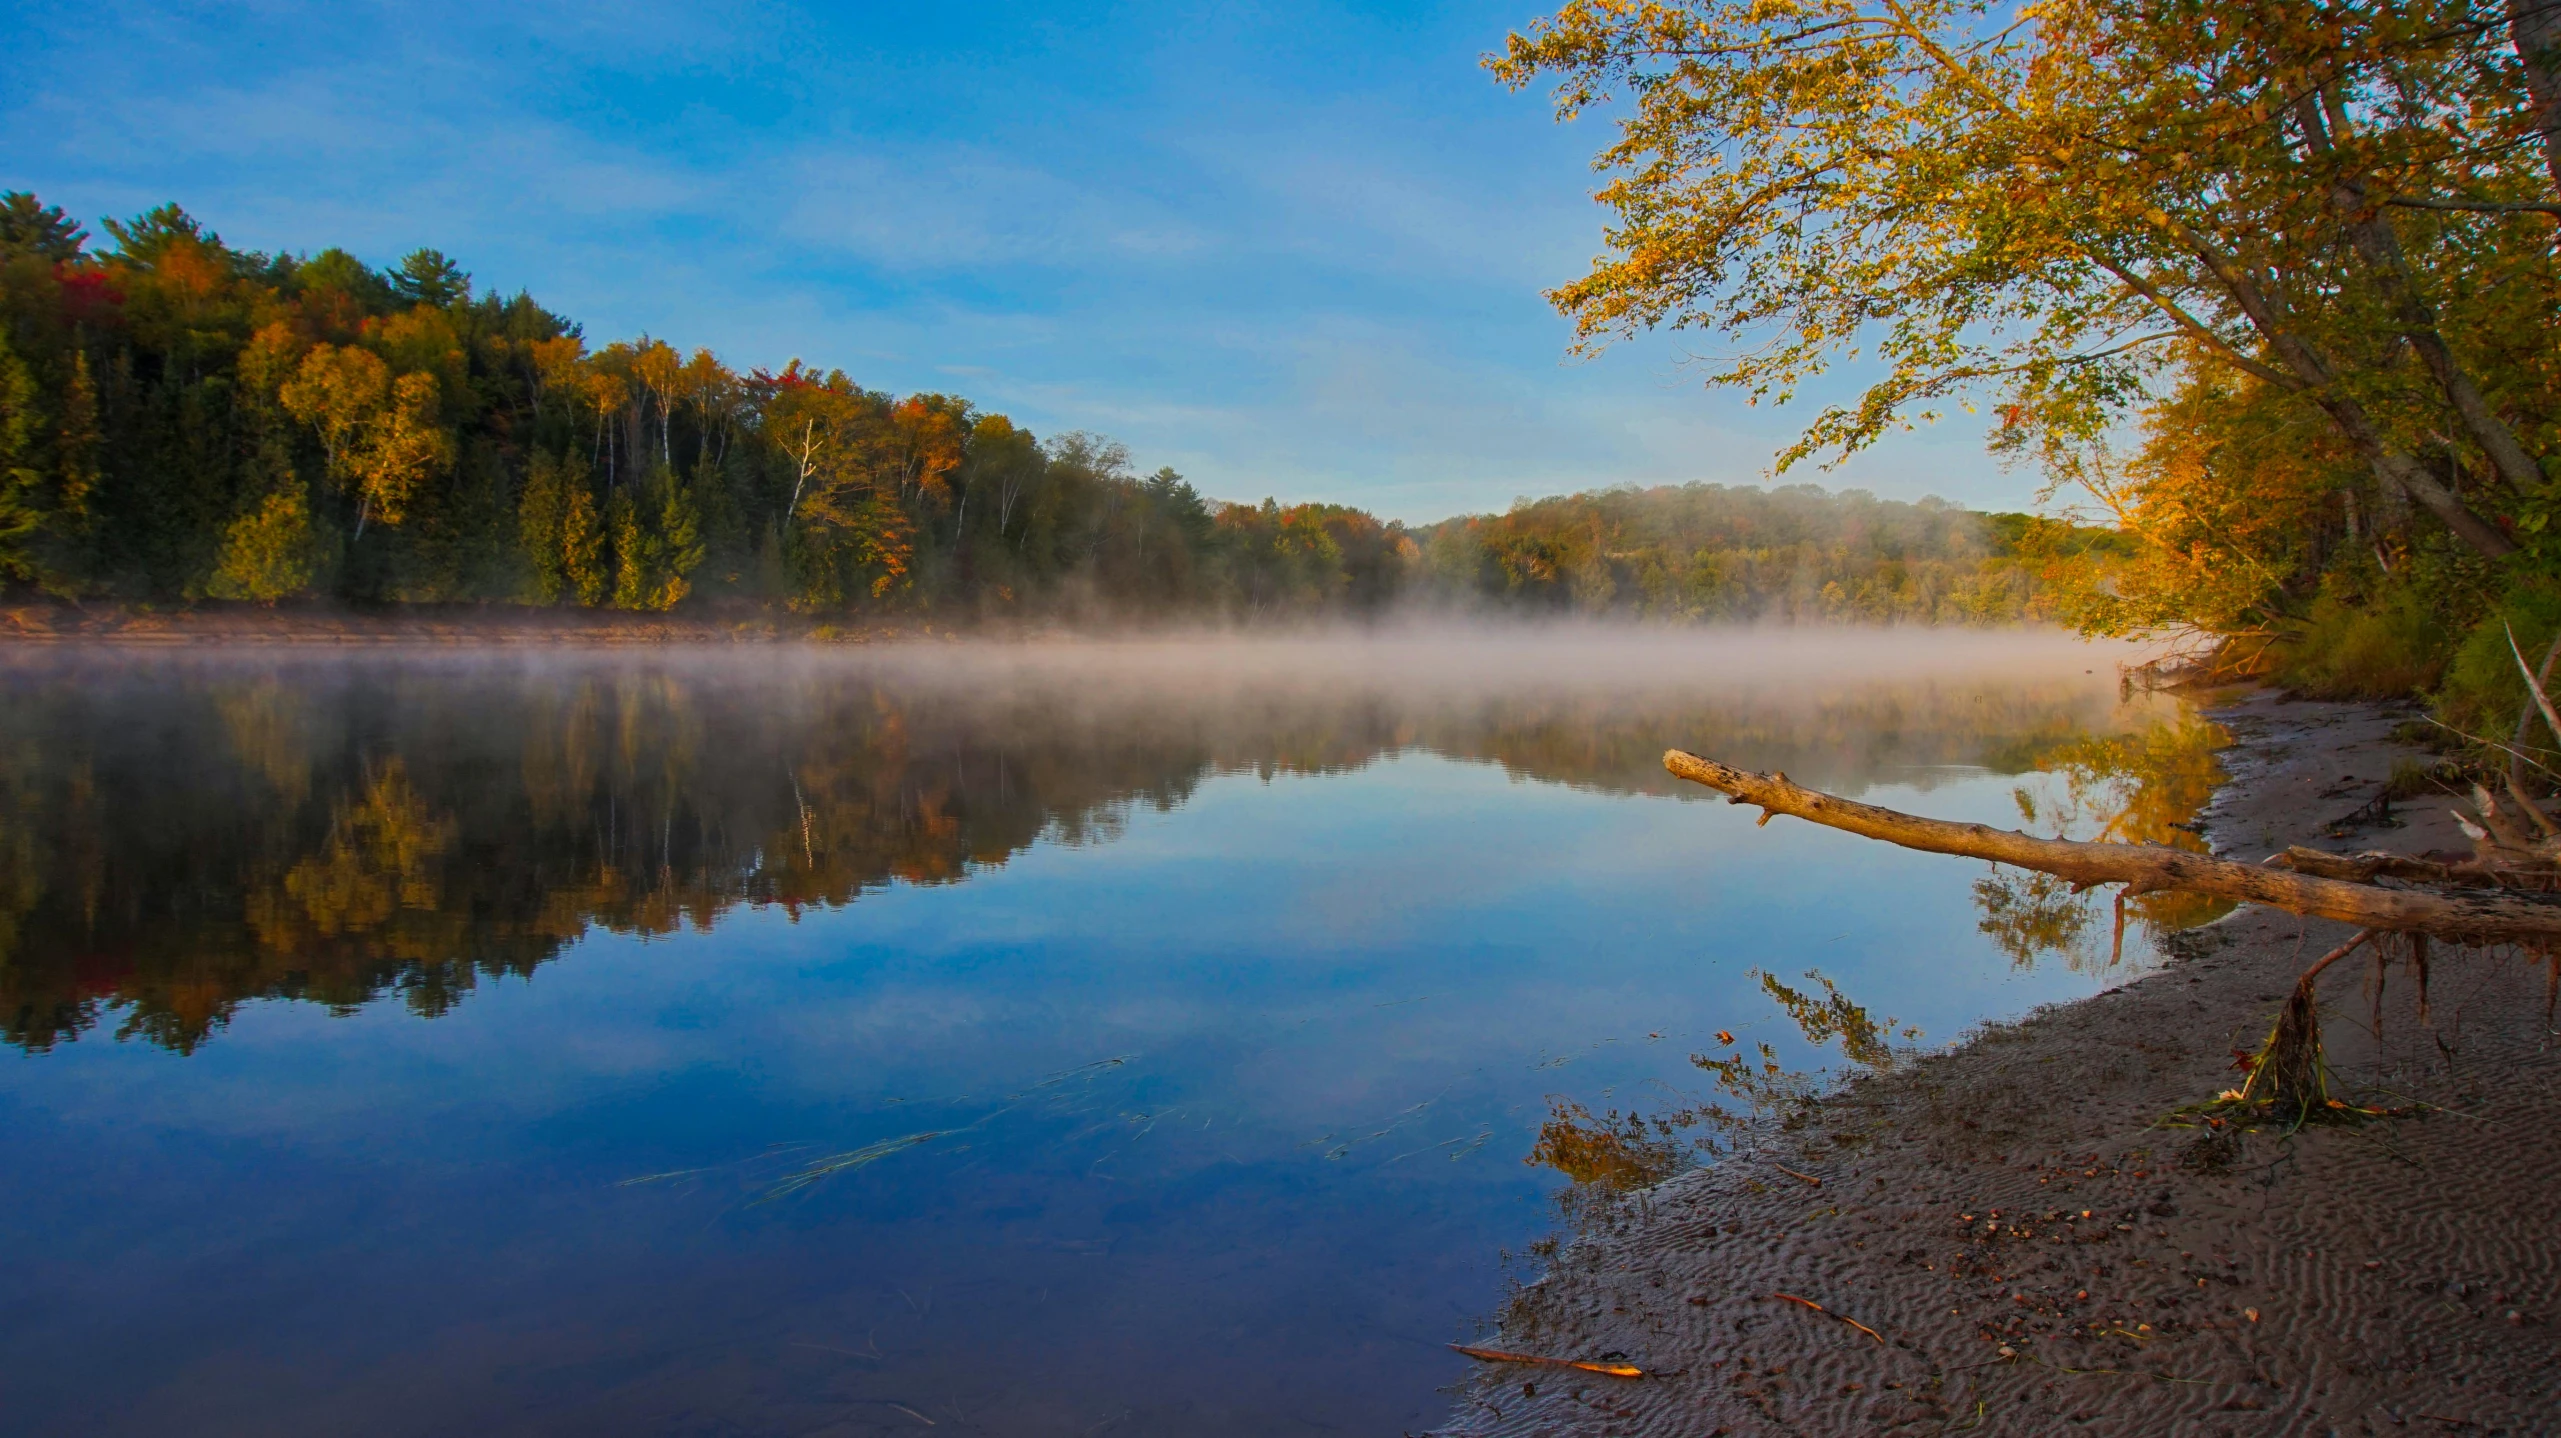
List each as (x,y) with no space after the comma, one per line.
(2036,1254)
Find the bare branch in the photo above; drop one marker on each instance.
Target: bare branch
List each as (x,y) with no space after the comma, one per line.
(2534,685)
(2145,868)
(2481,207)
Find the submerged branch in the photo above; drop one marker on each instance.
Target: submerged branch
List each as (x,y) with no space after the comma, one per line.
(2484,917)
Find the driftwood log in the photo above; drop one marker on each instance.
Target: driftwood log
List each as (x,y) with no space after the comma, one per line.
(2476,915)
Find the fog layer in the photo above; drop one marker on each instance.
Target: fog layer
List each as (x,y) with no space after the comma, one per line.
(182,833)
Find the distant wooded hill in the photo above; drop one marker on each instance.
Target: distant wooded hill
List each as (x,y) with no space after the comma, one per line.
(181,420)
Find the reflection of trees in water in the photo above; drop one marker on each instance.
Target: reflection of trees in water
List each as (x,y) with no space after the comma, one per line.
(1609,1159)
(1620,1152)
(179,839)
(174,849)
(1616,1151)
(2143,787)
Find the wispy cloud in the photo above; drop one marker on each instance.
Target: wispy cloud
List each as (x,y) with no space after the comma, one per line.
(1293,254)
(949,208)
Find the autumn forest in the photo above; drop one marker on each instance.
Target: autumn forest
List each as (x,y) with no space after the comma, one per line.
(183,421)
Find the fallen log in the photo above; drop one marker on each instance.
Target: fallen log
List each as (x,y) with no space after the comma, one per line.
(2375,864)
(2476,916)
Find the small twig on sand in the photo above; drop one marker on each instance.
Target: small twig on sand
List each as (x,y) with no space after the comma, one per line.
(1792,1173)
(1970,1427)
(2120,1373)
(1497,1355)
(2417,1102)
(2389,1151)
(1835,1317)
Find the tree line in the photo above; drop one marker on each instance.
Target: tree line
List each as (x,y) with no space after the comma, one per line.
(2266,287)
(182,420)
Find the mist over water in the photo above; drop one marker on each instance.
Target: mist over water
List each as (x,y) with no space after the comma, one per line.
(1144,1032)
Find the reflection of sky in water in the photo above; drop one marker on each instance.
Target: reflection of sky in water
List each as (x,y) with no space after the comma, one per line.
(1340,1004)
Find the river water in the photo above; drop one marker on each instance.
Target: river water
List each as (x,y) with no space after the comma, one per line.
(1071,1039)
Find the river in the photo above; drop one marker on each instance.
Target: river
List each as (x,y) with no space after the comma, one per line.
(1083,1038)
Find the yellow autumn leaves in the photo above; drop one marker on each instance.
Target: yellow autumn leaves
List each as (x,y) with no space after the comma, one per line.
(377,429)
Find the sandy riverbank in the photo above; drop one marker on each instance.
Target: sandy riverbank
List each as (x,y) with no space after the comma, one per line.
(2404,1276)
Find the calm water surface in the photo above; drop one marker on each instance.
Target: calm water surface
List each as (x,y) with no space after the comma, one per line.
(1102,1039)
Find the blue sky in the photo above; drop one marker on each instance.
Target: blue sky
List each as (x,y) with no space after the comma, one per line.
(1291,250)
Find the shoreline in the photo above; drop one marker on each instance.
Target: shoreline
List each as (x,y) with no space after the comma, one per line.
(2395,1276)
(425,625)
(498,626)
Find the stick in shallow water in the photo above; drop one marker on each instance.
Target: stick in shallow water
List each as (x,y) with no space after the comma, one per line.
(1835,1317)
(1497,1355)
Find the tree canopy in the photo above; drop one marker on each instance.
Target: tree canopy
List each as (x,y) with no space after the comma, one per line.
(2268,283)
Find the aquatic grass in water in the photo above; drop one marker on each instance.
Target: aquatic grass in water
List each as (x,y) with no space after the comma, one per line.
(820,1170)
(829,1167)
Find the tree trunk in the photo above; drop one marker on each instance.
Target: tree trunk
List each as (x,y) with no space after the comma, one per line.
(2534,27)
(2477,917)
(2306,371)
(2380,248)
(2396,468)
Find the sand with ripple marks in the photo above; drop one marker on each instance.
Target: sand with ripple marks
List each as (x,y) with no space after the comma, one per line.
(2038,1257)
